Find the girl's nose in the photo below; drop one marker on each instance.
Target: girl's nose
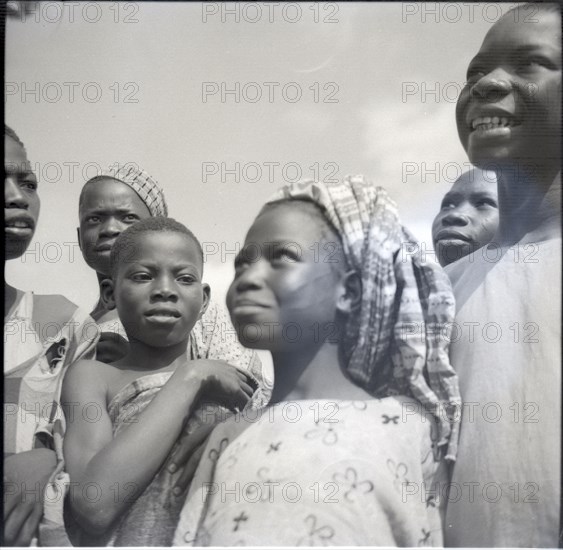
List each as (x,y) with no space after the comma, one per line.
(251,277)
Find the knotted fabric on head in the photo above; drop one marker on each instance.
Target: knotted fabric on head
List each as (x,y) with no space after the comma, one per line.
(142,183)
(398,340)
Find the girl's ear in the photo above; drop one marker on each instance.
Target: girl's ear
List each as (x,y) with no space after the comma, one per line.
(106,294)
(206,297)
(350,292)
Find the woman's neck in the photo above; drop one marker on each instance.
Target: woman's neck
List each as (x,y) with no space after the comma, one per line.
(316,374)
(529,206)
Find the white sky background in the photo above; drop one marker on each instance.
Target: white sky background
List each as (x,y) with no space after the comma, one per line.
(161,58)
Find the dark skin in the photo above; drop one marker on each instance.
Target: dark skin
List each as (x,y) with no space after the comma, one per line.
(468,217)
(107,208)
(23,472)
(288,283)
(509,121)
(159,296)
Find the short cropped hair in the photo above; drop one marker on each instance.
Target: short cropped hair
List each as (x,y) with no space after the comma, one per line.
(10,133)
(534,7)
(121,250)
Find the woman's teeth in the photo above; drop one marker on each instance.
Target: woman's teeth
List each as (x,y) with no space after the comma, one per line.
(487,123)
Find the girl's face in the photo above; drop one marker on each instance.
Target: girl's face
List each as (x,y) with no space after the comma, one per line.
(21,201)
(283,296)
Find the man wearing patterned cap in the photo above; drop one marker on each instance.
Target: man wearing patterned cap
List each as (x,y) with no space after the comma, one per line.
(109,203)
(113,201)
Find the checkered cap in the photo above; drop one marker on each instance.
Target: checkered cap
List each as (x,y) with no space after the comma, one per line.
(143,184)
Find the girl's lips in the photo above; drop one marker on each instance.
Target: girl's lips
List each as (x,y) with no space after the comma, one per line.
(247,309)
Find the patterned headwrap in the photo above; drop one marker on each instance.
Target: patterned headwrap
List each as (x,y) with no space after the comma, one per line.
(144,185)
(397,343)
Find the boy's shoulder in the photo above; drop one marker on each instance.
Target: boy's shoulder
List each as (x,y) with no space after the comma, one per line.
(89,374)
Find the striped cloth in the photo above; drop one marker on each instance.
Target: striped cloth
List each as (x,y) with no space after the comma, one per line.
(142,183)
(397,343)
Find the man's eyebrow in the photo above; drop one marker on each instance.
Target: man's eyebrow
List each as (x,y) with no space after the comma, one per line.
(479,58)
(530,48)
(450,196)
(104,210)
(484,58)
(484,194)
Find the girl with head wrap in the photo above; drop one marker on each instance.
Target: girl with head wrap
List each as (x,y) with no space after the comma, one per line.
(353,451)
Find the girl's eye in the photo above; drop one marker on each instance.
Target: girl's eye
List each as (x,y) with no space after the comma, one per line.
(93,219)
(447,205)
(286,255)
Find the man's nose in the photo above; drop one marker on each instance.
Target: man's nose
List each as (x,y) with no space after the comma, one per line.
(111,228)
(14,195)
(492,86)
(455,217)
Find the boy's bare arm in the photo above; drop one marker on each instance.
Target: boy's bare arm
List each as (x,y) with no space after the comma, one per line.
(134,456)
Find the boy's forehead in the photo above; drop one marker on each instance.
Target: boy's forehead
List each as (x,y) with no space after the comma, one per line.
(152,243)
(521,28)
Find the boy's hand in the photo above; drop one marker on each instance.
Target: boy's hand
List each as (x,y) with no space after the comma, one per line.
(221,382)
(186,456)
(25,477)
